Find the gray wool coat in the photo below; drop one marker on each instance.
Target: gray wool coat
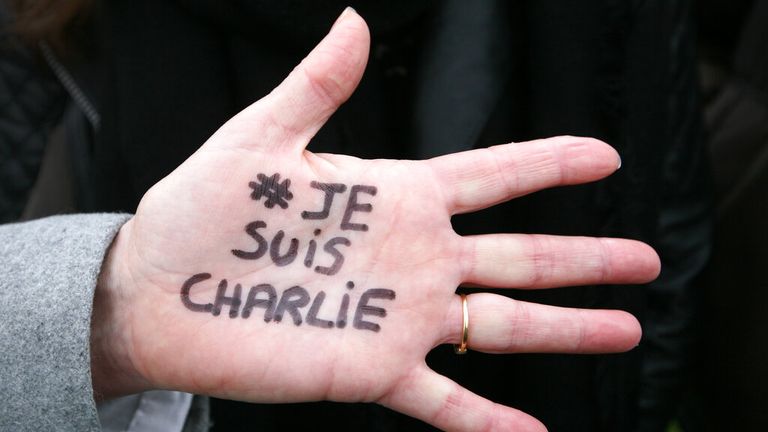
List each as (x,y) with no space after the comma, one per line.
(48,273)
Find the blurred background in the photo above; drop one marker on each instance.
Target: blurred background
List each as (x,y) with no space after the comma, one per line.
(729,380)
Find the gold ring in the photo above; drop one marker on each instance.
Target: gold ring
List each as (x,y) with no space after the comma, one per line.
(462,347)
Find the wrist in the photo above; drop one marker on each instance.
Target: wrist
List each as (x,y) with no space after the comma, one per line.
(113,369)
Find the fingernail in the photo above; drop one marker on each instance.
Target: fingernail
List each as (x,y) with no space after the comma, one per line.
(619,162)
(344,13)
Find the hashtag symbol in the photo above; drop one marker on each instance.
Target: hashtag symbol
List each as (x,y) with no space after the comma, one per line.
(270,187)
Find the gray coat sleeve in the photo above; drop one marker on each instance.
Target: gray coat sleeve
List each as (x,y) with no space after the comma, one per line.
(48,272)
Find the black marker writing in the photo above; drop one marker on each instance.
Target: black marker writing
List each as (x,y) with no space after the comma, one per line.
(363,308)
(274,250)
(250,229)
(312,318)
(354,206)
(341,318)
(330,190)
(271,187)
(293,301)
(283,257)
(310,256)
(338,258)
(222,299)
(268,304)
(186,301)
(293,298)
(277,193)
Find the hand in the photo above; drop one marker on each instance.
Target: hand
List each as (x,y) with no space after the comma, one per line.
(262,272)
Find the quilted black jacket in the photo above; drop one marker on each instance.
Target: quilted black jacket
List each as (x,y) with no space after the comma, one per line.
(31,103)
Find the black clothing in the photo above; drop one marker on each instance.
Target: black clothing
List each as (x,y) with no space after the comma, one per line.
(442,77)
(729,392)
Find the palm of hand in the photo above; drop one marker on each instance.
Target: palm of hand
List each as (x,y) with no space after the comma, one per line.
(397,251)
(357,328)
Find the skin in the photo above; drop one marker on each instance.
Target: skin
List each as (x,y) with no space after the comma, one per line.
(144,338)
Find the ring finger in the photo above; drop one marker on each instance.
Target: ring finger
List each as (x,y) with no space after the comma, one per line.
(498,324)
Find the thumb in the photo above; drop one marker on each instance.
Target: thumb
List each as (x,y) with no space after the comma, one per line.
(296,109)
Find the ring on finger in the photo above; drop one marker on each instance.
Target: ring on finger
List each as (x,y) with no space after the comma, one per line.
(461,348)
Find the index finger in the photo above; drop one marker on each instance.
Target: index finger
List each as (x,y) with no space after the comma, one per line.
(477,179)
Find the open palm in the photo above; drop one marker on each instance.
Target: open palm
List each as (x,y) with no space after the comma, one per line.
(260,271)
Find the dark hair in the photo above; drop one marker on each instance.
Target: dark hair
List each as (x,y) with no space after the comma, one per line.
(57,22)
